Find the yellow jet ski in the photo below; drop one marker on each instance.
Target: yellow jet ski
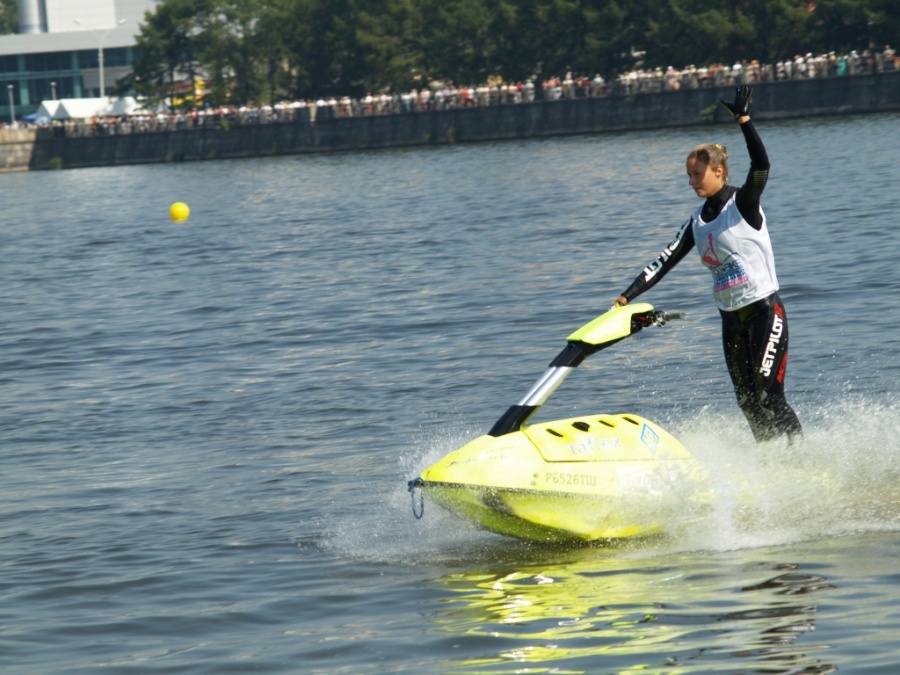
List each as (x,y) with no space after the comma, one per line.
(591,478)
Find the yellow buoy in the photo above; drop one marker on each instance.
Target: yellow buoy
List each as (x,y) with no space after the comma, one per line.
(179,212)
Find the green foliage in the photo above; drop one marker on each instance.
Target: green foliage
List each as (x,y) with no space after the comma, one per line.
(169,46)
(9,17)
(266,50)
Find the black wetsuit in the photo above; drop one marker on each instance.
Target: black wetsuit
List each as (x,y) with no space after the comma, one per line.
(754,337)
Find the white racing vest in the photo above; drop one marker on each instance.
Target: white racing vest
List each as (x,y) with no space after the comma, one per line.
(740,258)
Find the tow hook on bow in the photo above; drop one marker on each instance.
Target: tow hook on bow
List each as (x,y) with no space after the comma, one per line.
(418,509)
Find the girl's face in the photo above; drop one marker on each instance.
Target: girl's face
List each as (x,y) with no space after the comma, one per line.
(705,179)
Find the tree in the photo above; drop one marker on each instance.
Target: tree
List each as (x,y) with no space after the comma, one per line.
(782,28)
(229,49)
(168,50)
(266,50)
(843,24)
(391,37)
(884,23)
(9,17)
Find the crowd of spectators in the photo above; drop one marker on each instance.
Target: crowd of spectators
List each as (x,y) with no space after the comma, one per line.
(442,96)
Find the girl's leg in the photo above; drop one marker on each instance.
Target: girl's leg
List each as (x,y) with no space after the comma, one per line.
(755,340)
(770,335)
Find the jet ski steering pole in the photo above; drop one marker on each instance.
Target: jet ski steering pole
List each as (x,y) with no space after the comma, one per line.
(581,344)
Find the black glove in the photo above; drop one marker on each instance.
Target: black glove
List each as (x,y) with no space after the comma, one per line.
(741,105)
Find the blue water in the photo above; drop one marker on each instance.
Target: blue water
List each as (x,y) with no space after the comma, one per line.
(206,428)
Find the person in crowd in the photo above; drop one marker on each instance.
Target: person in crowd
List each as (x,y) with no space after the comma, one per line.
(731,235)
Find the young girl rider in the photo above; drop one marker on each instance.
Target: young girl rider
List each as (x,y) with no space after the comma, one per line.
(729,231)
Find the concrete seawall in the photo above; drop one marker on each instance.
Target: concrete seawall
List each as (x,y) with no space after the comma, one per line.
(858,94)
(16,149)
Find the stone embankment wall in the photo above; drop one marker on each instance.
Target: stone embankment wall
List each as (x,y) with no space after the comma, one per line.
(859,94)
(16,149)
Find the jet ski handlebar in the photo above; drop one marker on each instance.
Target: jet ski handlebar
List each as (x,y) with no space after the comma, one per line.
(656,318)
(618,323)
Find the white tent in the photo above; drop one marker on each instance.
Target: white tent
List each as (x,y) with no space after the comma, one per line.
(47,110)
(127,105)
(81,108)
(86,108)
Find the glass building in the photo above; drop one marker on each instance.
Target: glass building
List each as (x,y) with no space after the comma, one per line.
(63,47)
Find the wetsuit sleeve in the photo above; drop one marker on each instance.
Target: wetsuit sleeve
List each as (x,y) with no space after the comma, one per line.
(656,270)
(749,194)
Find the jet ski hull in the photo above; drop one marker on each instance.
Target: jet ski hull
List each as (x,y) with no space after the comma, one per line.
(591,478)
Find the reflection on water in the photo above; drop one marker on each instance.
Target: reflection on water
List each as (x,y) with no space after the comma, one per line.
(588,613)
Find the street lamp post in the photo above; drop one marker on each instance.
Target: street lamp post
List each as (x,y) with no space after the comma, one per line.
(53,91)
(103,34)
(12,104)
